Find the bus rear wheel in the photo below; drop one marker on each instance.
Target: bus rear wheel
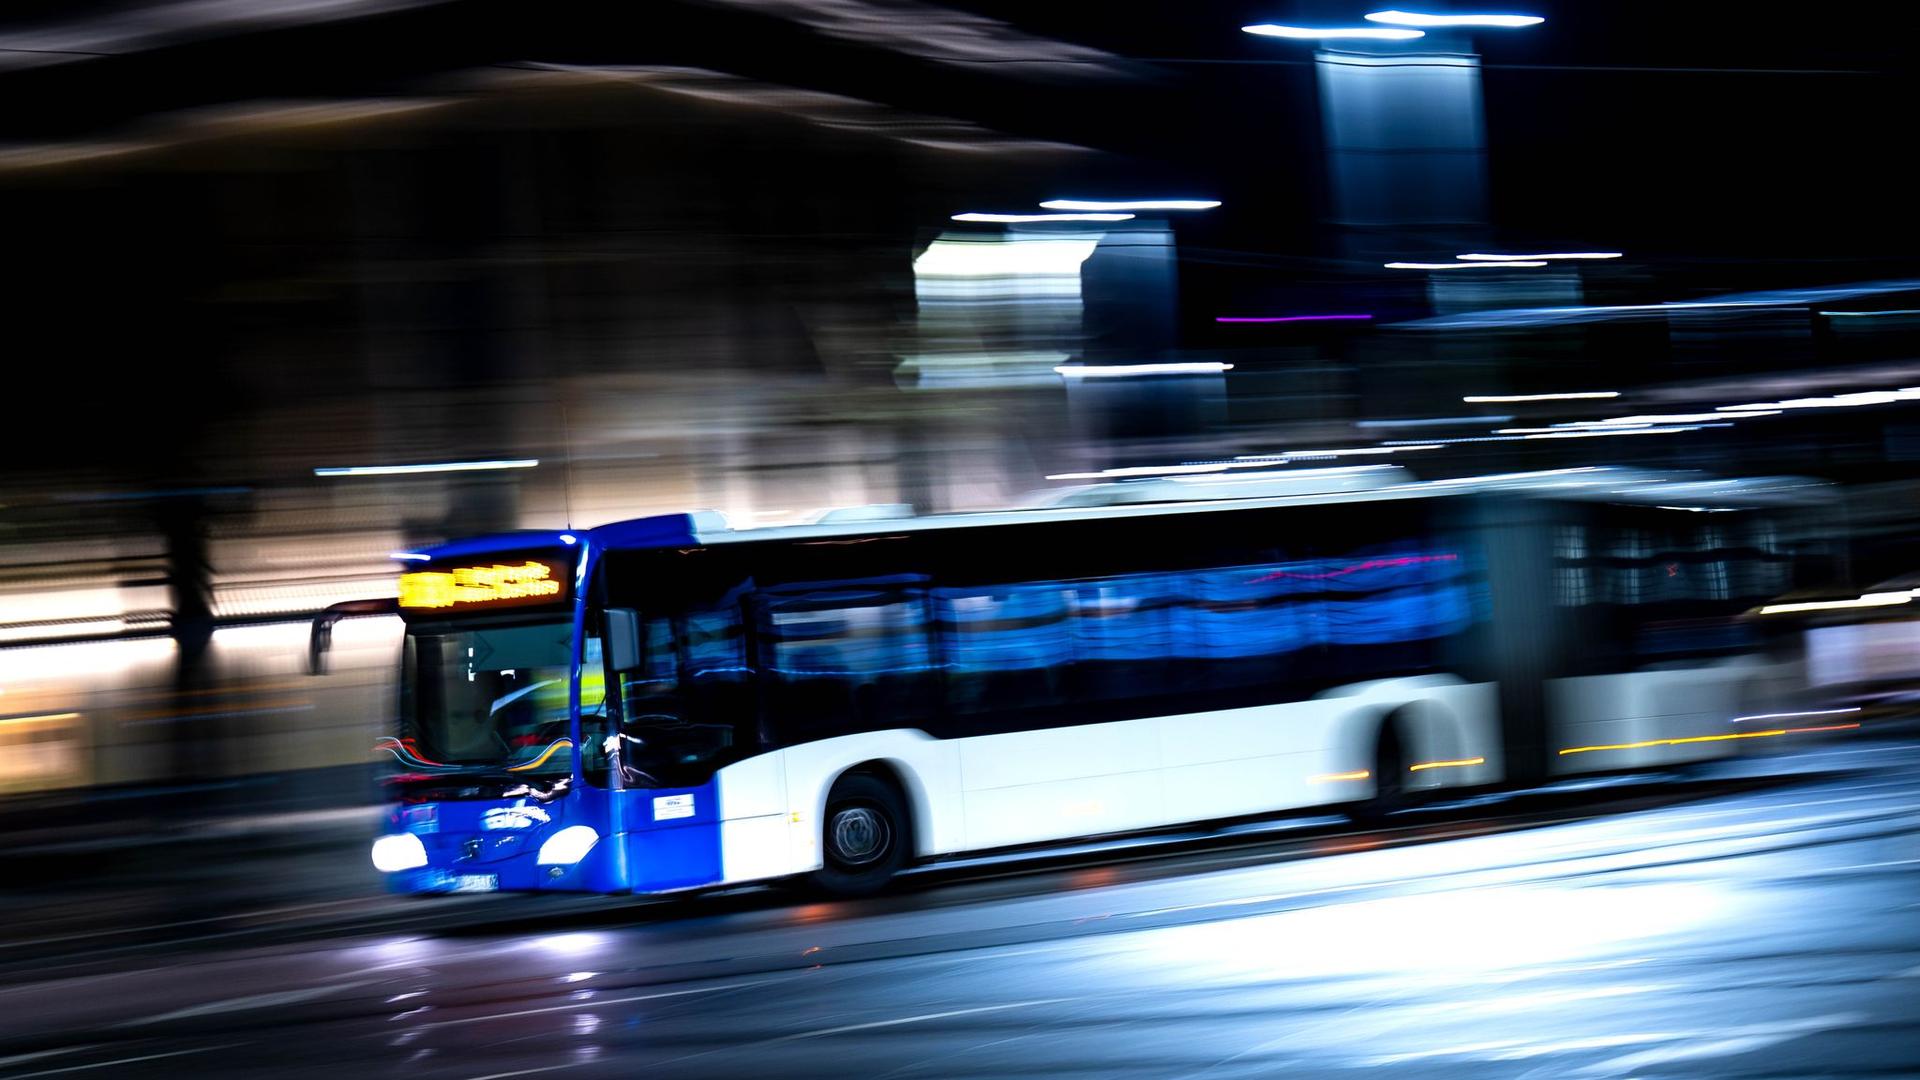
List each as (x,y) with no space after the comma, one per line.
(864,837)
(1389,778)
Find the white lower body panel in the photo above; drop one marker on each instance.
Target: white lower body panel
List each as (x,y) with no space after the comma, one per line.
(1031,787)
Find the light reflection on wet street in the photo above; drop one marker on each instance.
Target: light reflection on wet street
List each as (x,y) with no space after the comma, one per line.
(1763,931)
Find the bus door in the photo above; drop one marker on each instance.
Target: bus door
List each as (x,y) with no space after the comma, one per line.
(659,762)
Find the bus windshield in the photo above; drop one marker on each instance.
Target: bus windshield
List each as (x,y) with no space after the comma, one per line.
(489,696)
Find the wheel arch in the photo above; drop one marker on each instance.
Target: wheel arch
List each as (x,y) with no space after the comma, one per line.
(904,779)
(1424,727)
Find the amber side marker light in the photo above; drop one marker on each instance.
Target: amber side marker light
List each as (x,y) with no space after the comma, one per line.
(1707,738)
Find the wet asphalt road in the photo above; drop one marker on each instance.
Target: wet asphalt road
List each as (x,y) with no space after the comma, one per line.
(1757,929)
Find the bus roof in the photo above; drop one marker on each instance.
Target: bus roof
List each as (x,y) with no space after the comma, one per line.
(1671,490)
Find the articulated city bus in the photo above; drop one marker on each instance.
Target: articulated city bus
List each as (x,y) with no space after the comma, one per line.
(668,704)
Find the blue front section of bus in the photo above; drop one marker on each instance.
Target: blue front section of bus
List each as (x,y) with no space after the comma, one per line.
(488,845)
(673,837)
(672,841)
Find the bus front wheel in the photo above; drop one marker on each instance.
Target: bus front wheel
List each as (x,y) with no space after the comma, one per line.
(864,836)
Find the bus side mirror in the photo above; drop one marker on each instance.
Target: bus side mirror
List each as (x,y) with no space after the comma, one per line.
(319,641)
(320,638)
(623,639)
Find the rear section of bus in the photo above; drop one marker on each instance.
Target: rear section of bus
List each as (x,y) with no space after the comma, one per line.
(1628,598)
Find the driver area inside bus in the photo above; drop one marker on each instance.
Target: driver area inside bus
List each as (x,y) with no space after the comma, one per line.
(488,694)
(650,733)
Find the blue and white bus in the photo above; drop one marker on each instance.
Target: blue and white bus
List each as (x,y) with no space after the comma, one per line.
(667,703)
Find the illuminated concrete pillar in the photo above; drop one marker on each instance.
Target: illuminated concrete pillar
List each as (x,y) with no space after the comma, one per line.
(1406,149)
(1130,289)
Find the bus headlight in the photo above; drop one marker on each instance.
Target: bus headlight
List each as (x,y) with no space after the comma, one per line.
(401,851)
(568,846)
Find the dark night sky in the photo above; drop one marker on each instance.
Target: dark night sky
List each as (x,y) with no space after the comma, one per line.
(1762,136)
(1726,149)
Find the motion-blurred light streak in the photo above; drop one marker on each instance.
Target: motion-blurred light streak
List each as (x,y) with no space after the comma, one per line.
(38,718)
(1797,715)
(1432,421)
(1868,600)
(1605,431)
(1645,419)
(1456,763)
(1013,219)
(1332,33)
(1462,265)
(1706,738)
(1343,451)
(1289,318)
(1141,470)
(1479,256)
(1835,401)
(151,26)
(940,34)
(1004,258)
(433,467)
(1507,399)
(1128,371)
(1249,461)
(1129,204)
(1555,316)
(1393,17)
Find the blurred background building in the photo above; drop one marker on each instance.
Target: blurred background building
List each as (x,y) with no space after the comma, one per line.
(273,268)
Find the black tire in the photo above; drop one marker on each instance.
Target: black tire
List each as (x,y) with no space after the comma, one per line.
(1389,777)
(865,837)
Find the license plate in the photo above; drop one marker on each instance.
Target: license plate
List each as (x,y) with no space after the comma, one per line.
(476,882)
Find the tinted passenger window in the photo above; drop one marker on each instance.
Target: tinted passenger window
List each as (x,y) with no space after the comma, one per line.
(1006,647)
(845,658)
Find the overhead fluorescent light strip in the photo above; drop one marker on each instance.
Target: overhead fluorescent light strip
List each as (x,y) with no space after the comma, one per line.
(1418,18)
(1507,399)
(435,467)
(1480,256)
(1461,265)
(1332,33)
(1018,218)
(1122,371)
(1130,204)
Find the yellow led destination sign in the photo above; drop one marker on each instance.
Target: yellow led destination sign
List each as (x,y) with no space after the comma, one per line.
(498,585)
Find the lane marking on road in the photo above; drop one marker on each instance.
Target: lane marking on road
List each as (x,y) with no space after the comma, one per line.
(38,1055)
(527,1072)
(1831,871)
(598,1003)
(251,1001)
(824,1032)
(67,982)
(125,930)
(1739,1040)
(127,1061)
(1520,1049)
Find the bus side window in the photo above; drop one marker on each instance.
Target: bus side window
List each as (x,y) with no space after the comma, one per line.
(1007,647)
(1253,623)
(845,659)
(1390,609)
(716,645)
(1126,634)
(1572,572)
(649,690)
(593,678)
